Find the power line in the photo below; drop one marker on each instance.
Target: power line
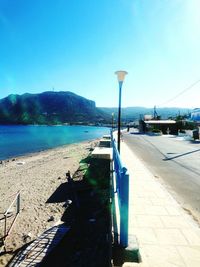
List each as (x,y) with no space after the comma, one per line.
(182,92)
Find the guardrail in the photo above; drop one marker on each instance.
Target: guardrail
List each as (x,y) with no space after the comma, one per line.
(9,217)
(121,188)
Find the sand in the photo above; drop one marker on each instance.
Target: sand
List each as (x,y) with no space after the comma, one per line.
(37,177)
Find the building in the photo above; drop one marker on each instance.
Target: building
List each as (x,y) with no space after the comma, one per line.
(165,126)
(195,115)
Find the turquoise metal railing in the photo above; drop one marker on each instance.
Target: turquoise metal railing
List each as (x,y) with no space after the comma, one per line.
(121,177)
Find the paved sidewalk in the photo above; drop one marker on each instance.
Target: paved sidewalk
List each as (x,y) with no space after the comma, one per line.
(166,234)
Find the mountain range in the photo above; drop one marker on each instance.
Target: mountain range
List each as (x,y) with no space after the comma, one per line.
(135,113)
(66,107)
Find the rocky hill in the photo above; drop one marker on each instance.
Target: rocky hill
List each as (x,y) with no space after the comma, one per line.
(49,108)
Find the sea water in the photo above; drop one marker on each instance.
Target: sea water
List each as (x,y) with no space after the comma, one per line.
(20,140)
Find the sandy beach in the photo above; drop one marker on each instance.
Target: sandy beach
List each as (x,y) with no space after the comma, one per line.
(37,177)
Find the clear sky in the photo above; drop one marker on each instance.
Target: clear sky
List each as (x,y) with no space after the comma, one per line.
(77,45)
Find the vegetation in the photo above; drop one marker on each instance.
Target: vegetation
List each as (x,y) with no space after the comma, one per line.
(49,108)
(155,130)
(183,125)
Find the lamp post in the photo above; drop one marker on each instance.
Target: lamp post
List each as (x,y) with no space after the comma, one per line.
(112,121)
(120,76)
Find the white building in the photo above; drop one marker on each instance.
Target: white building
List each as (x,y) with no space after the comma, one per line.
(195,115)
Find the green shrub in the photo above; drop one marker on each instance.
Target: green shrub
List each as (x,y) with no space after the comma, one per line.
(156,131)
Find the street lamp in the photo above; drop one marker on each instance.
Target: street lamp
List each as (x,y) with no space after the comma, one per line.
(120,76)
(112,120)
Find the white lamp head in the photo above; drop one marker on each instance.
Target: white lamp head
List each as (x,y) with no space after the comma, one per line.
(121,75)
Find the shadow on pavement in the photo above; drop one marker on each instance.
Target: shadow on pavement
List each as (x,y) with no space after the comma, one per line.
(182,155)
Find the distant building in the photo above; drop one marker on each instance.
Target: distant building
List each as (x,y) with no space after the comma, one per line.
(165,126)
(148,117)
(195,115)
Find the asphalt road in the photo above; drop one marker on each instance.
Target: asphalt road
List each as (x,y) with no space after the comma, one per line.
(173,160)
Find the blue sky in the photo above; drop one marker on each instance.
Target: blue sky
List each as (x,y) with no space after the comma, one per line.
(76,45)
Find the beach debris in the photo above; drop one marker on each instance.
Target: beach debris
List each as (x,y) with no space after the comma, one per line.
(59,178)
(13,159)
(68,176)
(20,162)
(51,219)
(27,237)
(67,203)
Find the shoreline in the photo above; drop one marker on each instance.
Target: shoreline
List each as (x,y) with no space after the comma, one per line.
(41,176)
(64,124)
(30,154)
(25,140)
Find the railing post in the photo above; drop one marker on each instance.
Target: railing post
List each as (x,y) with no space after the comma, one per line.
(124,204)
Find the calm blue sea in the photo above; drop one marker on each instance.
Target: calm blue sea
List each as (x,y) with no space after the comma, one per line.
(20,140)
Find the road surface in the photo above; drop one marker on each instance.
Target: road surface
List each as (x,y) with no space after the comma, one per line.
(173,160)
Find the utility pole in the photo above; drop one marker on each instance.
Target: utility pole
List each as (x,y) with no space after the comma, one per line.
(155,114)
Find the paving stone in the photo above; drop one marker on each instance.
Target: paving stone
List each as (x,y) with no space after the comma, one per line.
(190,255)
(142,201)
(176,222)
(165,256)
(173,210)
(145,235)
(148,221)
(170,237)
(164,201)
(192,236)
(139,209)
(156,210)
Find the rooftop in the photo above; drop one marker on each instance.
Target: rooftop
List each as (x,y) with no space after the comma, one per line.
(160,122)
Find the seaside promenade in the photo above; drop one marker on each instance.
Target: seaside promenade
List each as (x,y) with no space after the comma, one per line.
(167,236)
